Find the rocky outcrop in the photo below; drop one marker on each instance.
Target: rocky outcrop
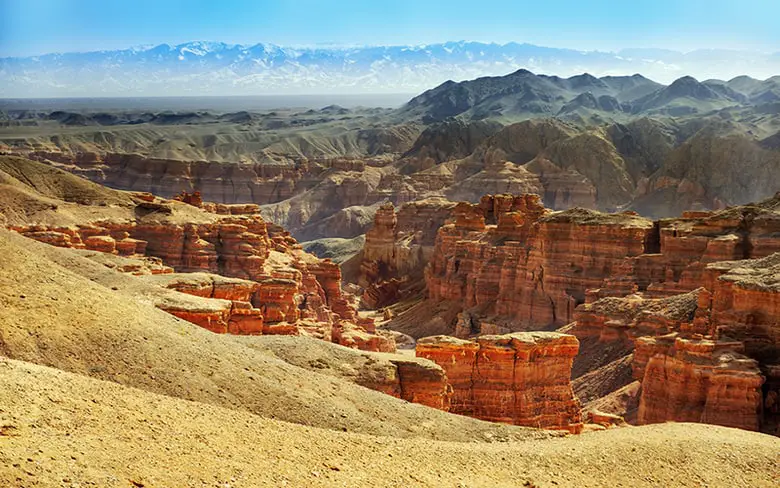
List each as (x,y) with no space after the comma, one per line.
(746,304)
(522,378)
(620,283)
(287,290)
(702,381)
(230,309)
(524,267)
(410,378)
(624,319)
(398,247)
(259,183)
(513,259)
(710,355)
(423,382)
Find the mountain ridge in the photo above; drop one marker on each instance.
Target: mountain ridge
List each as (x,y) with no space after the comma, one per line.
(208,68)
(522,94)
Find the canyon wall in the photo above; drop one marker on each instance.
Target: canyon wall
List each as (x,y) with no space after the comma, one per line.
(526,267)
(701,380)
(521,378)
(221,182)
(711,355)
(688,299)
(510,261)
(398,247)
(289,291)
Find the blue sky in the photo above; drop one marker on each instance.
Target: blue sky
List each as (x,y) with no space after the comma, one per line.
(29,27)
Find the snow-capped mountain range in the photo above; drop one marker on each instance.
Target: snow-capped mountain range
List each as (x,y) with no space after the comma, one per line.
(215,68)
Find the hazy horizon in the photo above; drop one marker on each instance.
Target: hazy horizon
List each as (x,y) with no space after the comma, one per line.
(349,46)
(215,103)
(154,48)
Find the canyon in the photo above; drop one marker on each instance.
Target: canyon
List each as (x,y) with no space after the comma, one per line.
(664,305)
(480,286)
(610,143)
(512,280)
(250,277)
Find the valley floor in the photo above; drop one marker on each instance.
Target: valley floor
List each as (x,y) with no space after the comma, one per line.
(63,429)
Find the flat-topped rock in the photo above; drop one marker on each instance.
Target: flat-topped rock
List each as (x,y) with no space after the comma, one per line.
(520,378)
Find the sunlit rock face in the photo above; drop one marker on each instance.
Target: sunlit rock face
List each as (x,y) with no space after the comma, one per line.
(521,378)
(279,288)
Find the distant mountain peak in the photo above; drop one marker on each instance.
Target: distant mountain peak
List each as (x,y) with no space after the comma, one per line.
(523,94)
(522,72)
(202,67)
(688,86)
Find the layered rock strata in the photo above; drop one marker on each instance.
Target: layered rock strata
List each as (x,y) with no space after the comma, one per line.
(291,292)
(513,259)
(624,283)
(229,309)
(410,378)
(521,378)
(701,381)
(516,264)
(710,355)
(398,247)
(248,182)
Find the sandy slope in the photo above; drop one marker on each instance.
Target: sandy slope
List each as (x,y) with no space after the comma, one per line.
(60,309)
(61,429)
(36,193)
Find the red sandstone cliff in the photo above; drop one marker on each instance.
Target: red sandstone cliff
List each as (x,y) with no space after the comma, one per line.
(522,378)
(398,247)
(710,355)
(291,292)
(511,262)
(701,381)
(529,268)
(508,264)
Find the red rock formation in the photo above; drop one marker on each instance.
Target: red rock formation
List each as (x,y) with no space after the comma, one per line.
(235,316)
(193,198)
(522,378)
(746,304)
(292,292)
(519,266)
(213,317)
(532,268)
(701,356)
(624,319)
(702,381)
(425,384)
(398,247)
(510,264)
(245,319)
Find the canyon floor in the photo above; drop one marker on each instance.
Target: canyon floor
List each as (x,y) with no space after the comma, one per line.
(62,429)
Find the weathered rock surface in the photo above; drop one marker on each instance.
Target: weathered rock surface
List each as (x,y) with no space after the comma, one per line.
(232,297)
(288,290)
(709,355)
(413,379)
(515,264)
(398,247)
(702,381)
(621,281)
(746,304)
(326,180)
(521,378)
(513,259)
